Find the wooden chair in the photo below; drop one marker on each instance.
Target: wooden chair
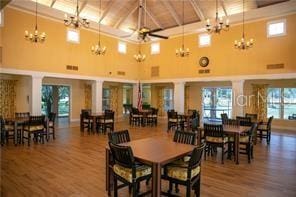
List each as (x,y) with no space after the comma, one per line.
(152,118)
(224,118)
(2,131)
(22,114)
(85,119)
(119,137)
(264,129)
(135,117)
(173,120)
(231,122)
(214,138)
(7,131)
(51,124)
(127,170)
(254,117)
(244,121)
(187,174)
(35,125)
(106,122)
(246,142)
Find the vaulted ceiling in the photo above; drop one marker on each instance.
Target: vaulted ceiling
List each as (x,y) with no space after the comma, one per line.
(121,15)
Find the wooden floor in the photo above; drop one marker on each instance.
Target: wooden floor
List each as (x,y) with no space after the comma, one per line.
(73,165)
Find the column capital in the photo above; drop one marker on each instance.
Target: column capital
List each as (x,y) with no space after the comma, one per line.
(37,76)
(98,81)
(179,82)
(238,81)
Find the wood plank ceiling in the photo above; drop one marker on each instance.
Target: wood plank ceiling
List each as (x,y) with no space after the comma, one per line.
(124,14)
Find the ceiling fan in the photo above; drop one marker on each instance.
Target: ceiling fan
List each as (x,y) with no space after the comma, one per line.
(143,32)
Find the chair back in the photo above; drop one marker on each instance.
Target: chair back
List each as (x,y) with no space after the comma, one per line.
(172,115)
(2,124)
(195,123)
(123,155)
(37,120)
(22,114)
(184,137)
(196,156)
(269,122)
(252,132)
(85,113)
(244,121)
(109,115)
(108,111)
(253,117)
(231,122)
(224,118)
(119,137)
(213,130)
(192,113)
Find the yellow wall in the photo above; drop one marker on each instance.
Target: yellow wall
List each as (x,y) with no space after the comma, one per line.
(56,52)
(224,59)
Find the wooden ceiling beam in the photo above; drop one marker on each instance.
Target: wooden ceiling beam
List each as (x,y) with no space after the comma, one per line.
(82,6)
(52,3)
(129,13)
(197,10)
(140,14)
(155,21)
(106,11)
(223,7)
(172,11)
(3,3)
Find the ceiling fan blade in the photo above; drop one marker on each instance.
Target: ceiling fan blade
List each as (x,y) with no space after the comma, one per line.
(159,36)
(155,30)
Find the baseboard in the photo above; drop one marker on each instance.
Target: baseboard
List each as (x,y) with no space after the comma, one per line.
(75,120)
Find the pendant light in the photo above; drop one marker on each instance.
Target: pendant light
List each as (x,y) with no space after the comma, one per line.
(75,20)
(243,44)
(182,52)
(140,57)
(35,37)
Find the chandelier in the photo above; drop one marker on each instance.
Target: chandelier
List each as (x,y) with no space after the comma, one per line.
(75,21)
(243,44)
(98,49)
(182,52)
(35,37)
(140,57)
(218,23)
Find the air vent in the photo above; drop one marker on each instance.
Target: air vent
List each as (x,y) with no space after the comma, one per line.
(1,55)
(70,67)
(275,66)
(122,73)
(154,71)
(204,71)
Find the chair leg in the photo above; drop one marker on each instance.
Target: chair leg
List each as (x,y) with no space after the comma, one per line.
(249,153)
(197,188)
(29,138)
(170,187)
(252,152)
(115,186)
(188,190)
(53,131)
(135,190)
(223,154)
(177,188)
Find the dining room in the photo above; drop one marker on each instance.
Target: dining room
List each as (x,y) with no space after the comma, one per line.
(147,98)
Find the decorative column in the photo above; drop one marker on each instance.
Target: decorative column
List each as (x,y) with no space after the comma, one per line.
(36,94)
(179,96)
(135,94)
(97,96)
(238,101)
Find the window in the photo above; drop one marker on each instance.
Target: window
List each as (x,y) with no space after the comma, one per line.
(106,98)
(276,28)
(215,102)
(281,102)
(146,95)
(155,48)
(73,36)
(122,47)
(168,99)
(204,40)
(1,18)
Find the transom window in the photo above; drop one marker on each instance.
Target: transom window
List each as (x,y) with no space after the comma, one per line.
(155,48)
(276,28)
(73,36)
(281,102)
(204,40)
(122,47)
(106,98)
(168,99)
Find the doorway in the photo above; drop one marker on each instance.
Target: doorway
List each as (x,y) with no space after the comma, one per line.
(56,98)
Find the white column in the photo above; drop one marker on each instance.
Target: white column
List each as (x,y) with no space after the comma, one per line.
(97,96)
(36,94)
(238,100)
(179,96)
(135,94)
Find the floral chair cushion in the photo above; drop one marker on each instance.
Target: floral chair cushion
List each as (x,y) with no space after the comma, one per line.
(180,172)
(216,139)
(126,173)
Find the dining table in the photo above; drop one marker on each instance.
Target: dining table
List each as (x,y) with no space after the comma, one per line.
(155,153)
(232,130)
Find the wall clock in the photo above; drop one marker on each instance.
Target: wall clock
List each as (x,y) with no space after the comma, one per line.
(204,61)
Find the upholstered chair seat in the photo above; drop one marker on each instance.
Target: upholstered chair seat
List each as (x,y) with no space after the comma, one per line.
(126,173)
(216,139)
(180,171)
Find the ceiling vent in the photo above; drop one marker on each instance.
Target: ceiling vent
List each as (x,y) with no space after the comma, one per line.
(121,73)
(204,71)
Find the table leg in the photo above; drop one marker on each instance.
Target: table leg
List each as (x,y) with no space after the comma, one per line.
(156,180)
(237,148)
(94,124)
(15,133)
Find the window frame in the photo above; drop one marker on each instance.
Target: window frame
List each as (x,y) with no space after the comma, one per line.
(205,45)
(118,47)
(155,52)
(73,41)
(284,21)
